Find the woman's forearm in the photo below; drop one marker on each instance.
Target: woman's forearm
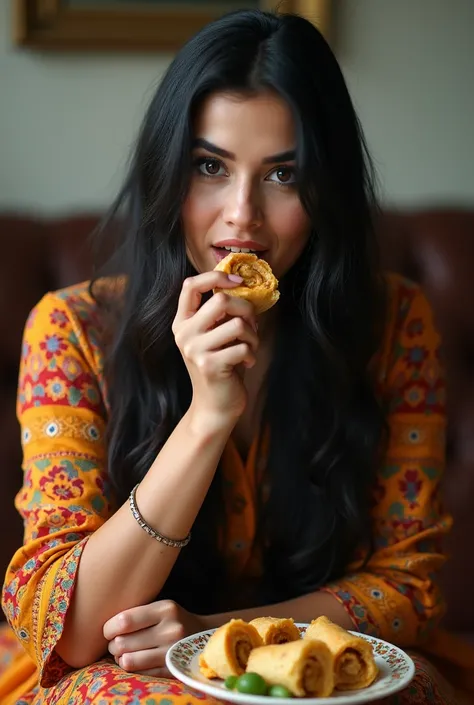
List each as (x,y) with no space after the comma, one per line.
(121,565)
(301,609)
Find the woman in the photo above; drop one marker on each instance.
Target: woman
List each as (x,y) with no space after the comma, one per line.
(294,446)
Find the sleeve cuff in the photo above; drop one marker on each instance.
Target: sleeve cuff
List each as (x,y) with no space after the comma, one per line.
(49,614)
(362,619)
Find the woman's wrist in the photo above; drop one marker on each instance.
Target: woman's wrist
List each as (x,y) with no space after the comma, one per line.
(206,423)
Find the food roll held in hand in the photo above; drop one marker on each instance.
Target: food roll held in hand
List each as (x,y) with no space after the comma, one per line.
(241,414)
(259,285)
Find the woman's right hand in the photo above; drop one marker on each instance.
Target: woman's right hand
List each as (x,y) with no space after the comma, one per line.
(214,339)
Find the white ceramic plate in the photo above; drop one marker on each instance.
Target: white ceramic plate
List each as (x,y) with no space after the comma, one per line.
(396,670)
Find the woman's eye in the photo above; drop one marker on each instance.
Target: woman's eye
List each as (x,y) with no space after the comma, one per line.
(284,175)
(210,167)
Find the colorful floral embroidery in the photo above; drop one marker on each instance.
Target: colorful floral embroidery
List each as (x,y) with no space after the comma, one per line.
(58,484)
(56,389)
(58,318)
(410,487)
(53,346)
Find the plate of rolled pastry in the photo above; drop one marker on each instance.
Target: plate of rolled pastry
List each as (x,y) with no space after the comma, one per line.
(277,659)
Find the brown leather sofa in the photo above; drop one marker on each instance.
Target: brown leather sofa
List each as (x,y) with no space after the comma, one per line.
(434,247)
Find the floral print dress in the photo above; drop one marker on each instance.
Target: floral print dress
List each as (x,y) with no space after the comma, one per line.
(62,409)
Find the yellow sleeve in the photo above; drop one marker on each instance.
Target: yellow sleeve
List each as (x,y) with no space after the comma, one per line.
(395,594)
(65,495)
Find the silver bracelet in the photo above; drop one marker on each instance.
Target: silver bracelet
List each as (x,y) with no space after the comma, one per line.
(174,543)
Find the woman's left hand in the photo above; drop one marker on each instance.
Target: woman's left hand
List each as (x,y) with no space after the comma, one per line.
(140,637)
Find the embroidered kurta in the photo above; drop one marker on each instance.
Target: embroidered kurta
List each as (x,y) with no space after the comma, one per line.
(62,409)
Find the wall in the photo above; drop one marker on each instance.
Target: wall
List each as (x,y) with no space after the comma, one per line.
(67,123)
(410,68)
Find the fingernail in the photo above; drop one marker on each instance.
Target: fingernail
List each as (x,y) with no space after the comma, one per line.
(235,278)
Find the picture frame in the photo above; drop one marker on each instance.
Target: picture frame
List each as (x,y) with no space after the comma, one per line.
(118,25)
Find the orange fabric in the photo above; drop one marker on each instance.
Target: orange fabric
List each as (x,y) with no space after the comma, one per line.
(62,408)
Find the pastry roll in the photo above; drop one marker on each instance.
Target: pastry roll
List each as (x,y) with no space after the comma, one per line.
(353,658)
(276,631)
(227,651)
(260,287)
(303,666)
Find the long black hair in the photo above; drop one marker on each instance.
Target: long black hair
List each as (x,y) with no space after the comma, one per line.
(324,421)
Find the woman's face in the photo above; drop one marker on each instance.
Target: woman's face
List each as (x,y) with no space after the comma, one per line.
(243,192)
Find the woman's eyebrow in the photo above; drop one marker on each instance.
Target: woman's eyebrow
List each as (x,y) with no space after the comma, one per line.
(288,156)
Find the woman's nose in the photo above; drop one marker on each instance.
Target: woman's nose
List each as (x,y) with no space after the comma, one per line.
(242,207)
